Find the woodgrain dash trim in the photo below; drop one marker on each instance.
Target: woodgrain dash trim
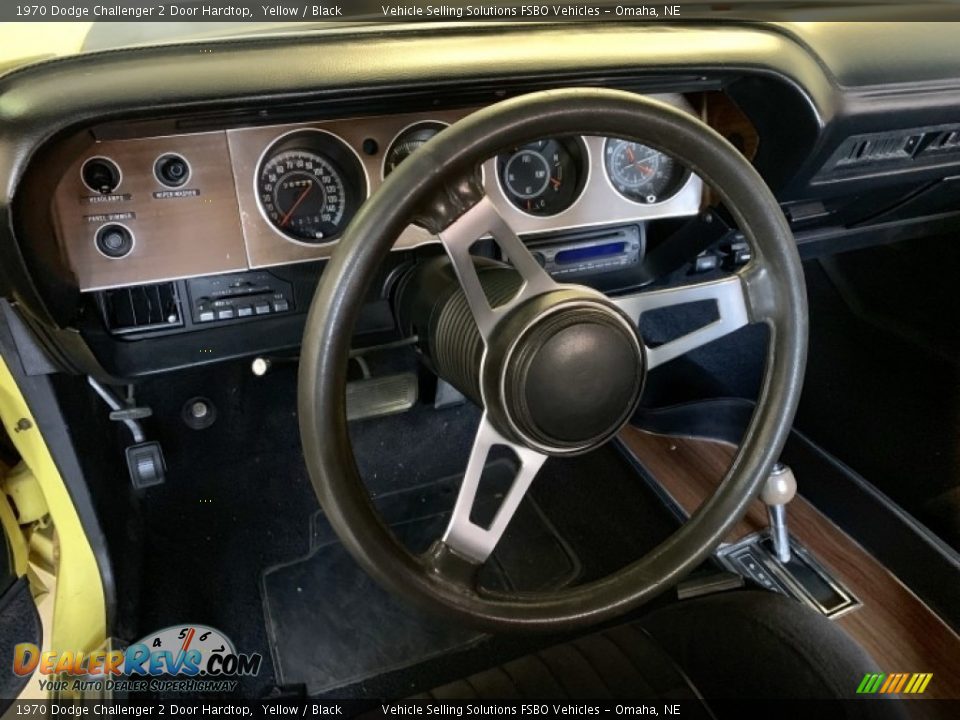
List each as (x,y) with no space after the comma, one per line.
(893,625)
(175,237)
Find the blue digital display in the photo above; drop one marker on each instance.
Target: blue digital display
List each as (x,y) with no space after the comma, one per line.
(589,252)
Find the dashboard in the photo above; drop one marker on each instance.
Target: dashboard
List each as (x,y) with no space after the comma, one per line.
(153,209)
(153,200)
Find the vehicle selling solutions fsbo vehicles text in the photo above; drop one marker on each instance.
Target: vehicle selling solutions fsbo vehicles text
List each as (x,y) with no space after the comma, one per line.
(519,11)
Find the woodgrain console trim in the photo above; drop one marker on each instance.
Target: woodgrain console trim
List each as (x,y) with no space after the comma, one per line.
(893,625)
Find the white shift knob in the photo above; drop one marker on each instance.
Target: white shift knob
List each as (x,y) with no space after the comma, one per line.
(780,487)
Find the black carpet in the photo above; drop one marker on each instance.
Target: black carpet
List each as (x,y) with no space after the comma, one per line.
(237,503)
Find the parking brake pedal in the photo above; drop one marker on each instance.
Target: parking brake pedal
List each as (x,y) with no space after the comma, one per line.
(380,396)
(145,464)
(145,461)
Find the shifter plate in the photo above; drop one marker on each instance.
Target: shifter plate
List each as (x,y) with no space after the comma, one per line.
(802,578)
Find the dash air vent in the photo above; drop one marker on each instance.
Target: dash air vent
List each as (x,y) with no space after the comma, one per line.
(866,155)
(945,140)
(140,308)
(863,150)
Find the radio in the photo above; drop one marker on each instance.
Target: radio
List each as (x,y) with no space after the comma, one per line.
(238,295)
(590,253)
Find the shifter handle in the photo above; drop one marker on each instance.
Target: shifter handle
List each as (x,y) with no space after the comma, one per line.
(780,487)
(778,490)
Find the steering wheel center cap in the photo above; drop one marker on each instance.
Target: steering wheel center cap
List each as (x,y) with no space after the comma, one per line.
(572,376)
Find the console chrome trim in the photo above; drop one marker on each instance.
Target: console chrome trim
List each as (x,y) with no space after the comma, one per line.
(784,579)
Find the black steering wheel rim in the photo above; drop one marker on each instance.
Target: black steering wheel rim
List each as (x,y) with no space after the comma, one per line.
(426,186)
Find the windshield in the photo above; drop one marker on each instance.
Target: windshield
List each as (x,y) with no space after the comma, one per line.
(27,41)
(33,32)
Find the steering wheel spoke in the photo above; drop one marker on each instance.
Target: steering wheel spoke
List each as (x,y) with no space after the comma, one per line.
(465,537)
(729,295)
(481,220)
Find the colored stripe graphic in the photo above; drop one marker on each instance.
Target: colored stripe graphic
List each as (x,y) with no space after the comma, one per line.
(870,683)
(891,681)
(862,687)
(894,683)
(918,683)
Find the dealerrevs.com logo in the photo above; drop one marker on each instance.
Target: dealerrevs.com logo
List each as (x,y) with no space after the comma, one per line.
(191,658)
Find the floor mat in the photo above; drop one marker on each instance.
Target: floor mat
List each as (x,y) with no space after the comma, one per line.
(330,625)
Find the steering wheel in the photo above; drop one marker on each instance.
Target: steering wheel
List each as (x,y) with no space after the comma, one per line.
(525,352)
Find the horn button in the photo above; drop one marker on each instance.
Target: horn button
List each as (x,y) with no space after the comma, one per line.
(572,377)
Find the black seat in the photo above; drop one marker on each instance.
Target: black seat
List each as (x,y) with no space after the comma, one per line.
(731,646)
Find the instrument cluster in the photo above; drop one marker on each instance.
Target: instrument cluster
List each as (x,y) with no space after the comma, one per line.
(140,210)
(310,183)
(547,177)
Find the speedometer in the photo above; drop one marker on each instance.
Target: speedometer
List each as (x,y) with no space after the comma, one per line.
(309,185)
(303,195)
(640,173)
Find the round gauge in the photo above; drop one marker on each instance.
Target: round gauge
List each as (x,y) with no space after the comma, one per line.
(309,185)
(407,141)
(178,638)
(543,177)
(640,173)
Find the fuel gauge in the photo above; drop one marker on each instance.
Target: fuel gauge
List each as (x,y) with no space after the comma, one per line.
(543,177)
